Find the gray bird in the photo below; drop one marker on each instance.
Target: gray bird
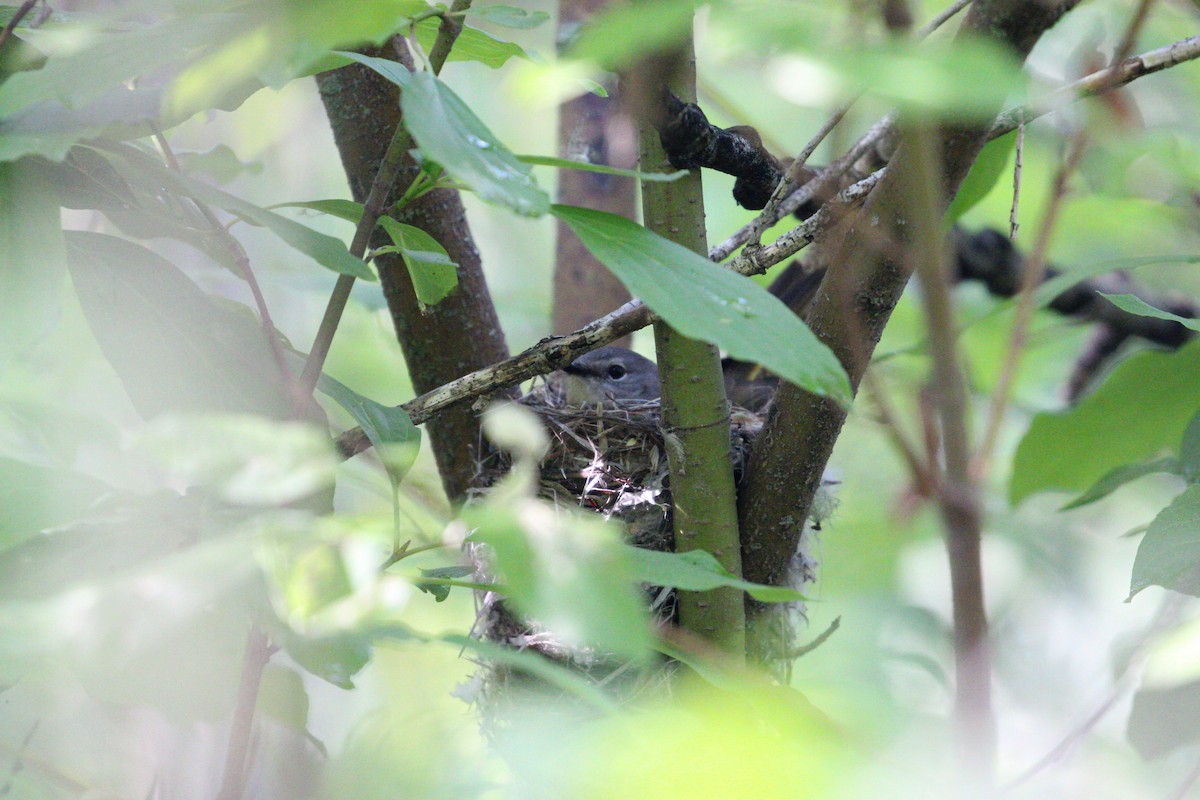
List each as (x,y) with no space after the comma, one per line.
(610,373)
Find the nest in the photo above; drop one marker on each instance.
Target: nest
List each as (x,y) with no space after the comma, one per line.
(610,460)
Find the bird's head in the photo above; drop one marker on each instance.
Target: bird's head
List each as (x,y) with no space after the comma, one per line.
(610,373)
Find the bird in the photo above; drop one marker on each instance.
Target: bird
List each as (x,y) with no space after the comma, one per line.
(612,373)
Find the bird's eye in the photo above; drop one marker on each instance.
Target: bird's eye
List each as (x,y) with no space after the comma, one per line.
(616,372)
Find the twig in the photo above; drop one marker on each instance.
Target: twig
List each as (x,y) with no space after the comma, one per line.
(941,18)
(373,208)
(1031,278)
(255,659)
(1132,30)
(270,332)
(18,15)
(1017,165)
(958,494)
(921,469)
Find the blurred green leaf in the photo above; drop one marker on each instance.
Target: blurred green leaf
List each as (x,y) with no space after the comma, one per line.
(390,429)
(567,572)
(342,209)
(448,132)
(335,658)
(472,44)
(394,71)
(434,274)
(1060,283)
(984,175)
(698,571)
(247,460)
(1136,305)
(623,33)
(282,696)
(1120,476)
(441,591)
(1169,554)
(508,16)
(1163,720)
(171,345)
(603,169)
(703,300)
(325,250)
(1140,410)
(219,163)
(34,259)
(1189,451)
(34,498)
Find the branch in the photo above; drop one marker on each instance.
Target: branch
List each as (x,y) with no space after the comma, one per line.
(17,16)
(557,351)
(695,410)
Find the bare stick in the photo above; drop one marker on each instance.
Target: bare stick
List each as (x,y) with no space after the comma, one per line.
(1017,165)
(18,15)
(1031,278)
(257,654)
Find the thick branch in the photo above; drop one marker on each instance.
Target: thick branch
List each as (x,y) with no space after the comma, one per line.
(462,332)
(695,411)
(864,283)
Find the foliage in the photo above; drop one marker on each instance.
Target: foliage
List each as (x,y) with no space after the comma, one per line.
(169,491)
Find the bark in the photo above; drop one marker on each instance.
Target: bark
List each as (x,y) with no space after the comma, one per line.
(695,411)
(462,333)
(591,129)
(865,279)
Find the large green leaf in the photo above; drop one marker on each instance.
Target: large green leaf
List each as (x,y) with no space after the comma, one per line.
(1139,412)
(326,250)
(434,274)
(603,169)
(699,571)
(390,429)
(1169,555)
(1164,719)
(705,301)
(568,572)
(172,346)
(509,16)
(448,132)
(34,264)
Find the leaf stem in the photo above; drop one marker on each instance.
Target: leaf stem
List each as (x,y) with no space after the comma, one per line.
(254,661)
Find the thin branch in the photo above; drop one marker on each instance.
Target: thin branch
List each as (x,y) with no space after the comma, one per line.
(1018,164)
(240,257)
(557,351)
(942,18)
(18,15)
(1031,278)
(373,208)
(254,661)
(958,494)
(1132,30)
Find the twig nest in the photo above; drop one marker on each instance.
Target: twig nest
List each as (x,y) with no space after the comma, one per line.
(610,460)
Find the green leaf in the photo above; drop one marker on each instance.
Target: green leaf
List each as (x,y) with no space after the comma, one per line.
(583,166)
(282,696)
(448,132)
(342,209)
(699,571)
(390,429)
(472,44)
(1169,554)
(1164,719)
(34,261)
(1140,411)
(34,498)
(220,163)
(568,572)
(1136,305)
(335,658)
(984,175)
(704,301)
(171,345)
(625,32)
(434,274)
(441,591)
(1059,284)
(394,71)
(1120,476)
(325,250)
(1189,450)
(509,16)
